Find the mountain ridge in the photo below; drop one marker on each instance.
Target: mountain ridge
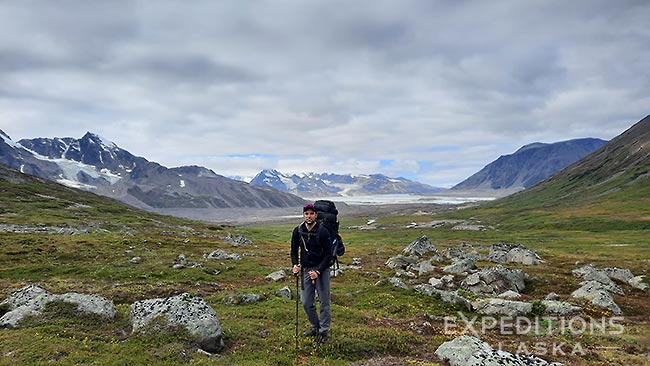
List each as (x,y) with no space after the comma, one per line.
(330,184)
(99,165)
(529,165)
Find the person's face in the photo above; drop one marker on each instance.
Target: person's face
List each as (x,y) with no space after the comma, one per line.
(309,216)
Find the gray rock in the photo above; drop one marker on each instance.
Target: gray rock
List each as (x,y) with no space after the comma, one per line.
(509,295)
(277,275)
(285,293)
(420,247)
(423,267)
(401,261)
(223,255)
(397,282)
(188,311)
(560,307)
(460,266)
(514,253)
(637,282)
(31,300)
(502,307)
(597,293)
(242,299)
(471,351)
(591,273)
(494,280)
(621,274)
(446,296)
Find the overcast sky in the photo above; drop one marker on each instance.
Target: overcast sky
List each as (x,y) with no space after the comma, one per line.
(428,90)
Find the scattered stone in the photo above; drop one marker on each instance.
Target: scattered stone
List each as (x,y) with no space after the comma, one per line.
(221,254)
(551,296)
(277,275)
(514,253)
(285,293)
(471,351)
(188,311)
(237,240)
(494,280)
(591,273)
(397,282)
(446,296)
(32,299)
(597,293)
(560,307)
(509,295)
(502,307)
(421,246)
(401,261)
(356,261)
(423,267)
(136,260)
(242,299)
(460,266)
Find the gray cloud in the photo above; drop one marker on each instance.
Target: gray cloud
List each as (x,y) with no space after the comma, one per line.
(437,88)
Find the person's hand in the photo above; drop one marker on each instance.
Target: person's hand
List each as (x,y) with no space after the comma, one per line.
(313,274)
(296,269)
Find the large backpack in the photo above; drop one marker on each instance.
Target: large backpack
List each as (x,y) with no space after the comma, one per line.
(328,217)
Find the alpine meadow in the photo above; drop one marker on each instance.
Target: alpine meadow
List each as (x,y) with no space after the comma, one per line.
(388,307)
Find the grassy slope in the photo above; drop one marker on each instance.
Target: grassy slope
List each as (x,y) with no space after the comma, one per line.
(370,320)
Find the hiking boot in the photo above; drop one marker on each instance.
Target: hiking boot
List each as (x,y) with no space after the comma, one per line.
(322,338)
(311,333)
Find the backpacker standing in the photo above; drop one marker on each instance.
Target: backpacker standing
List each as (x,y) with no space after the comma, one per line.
(311,257)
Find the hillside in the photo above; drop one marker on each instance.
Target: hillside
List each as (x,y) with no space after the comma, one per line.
(610,186)
(529,165)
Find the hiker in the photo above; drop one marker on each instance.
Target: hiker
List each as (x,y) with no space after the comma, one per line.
(312,261)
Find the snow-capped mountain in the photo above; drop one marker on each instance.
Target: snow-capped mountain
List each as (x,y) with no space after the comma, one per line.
(96,164)
(315,185)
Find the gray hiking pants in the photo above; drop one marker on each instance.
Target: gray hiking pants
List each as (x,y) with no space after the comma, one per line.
(321,286)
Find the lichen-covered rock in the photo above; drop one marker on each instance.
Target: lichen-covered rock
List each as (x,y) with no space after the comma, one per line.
(471,351)
(31,300)
(494,280)
(597,293)
(502,307)
(191,312)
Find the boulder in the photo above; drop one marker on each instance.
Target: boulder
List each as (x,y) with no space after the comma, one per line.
(502,307)
(401,261)
(31,300)
(596,292)
(471,351)
(397,282)
(421,246)
(559,307)
(277,275)
(460,266)
(515,253)
(185,310)
(285,293)
(494,280)
(591,273)
(242,299)
(223,255)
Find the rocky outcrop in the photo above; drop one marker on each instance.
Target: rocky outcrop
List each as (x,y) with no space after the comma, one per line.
(185,310)
(494,281)
(513,253)
(32,299)
(598,295)
(471,351)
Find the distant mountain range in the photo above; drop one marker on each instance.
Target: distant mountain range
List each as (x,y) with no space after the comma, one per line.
(318,185)
(95,164)
(529,165)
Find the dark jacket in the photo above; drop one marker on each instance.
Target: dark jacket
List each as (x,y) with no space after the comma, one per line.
(315,247)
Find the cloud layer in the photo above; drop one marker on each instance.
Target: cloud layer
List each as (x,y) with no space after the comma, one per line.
(429,90)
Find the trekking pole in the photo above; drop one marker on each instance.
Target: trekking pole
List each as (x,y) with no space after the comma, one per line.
(297,299)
